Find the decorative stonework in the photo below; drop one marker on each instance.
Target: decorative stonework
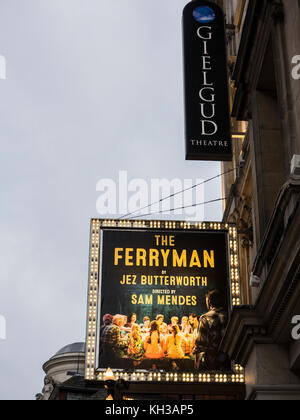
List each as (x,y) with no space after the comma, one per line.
(47,390)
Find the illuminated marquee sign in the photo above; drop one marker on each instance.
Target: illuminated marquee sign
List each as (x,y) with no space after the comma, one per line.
(207,114)
(148,287)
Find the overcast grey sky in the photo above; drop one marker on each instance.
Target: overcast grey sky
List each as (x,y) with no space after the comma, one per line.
(93,87)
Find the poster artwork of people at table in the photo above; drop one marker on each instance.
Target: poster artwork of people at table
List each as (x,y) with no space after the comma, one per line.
(164,300)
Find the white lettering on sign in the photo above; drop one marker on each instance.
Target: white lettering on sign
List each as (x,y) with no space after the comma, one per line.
(207,94)
(209,98)
(209,34)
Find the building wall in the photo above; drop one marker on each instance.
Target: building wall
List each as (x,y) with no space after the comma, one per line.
(59,369)
(262,196)
(292,42)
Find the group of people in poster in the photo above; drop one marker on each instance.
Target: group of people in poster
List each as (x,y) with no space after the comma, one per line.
(187,343)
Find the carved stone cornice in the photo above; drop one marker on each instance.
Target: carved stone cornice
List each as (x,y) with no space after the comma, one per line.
(285,205)
(245,329)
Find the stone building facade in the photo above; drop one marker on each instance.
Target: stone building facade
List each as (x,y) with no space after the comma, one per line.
(67,363)
(263,192)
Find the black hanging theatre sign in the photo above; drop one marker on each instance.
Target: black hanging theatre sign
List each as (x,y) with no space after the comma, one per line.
(207,114)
